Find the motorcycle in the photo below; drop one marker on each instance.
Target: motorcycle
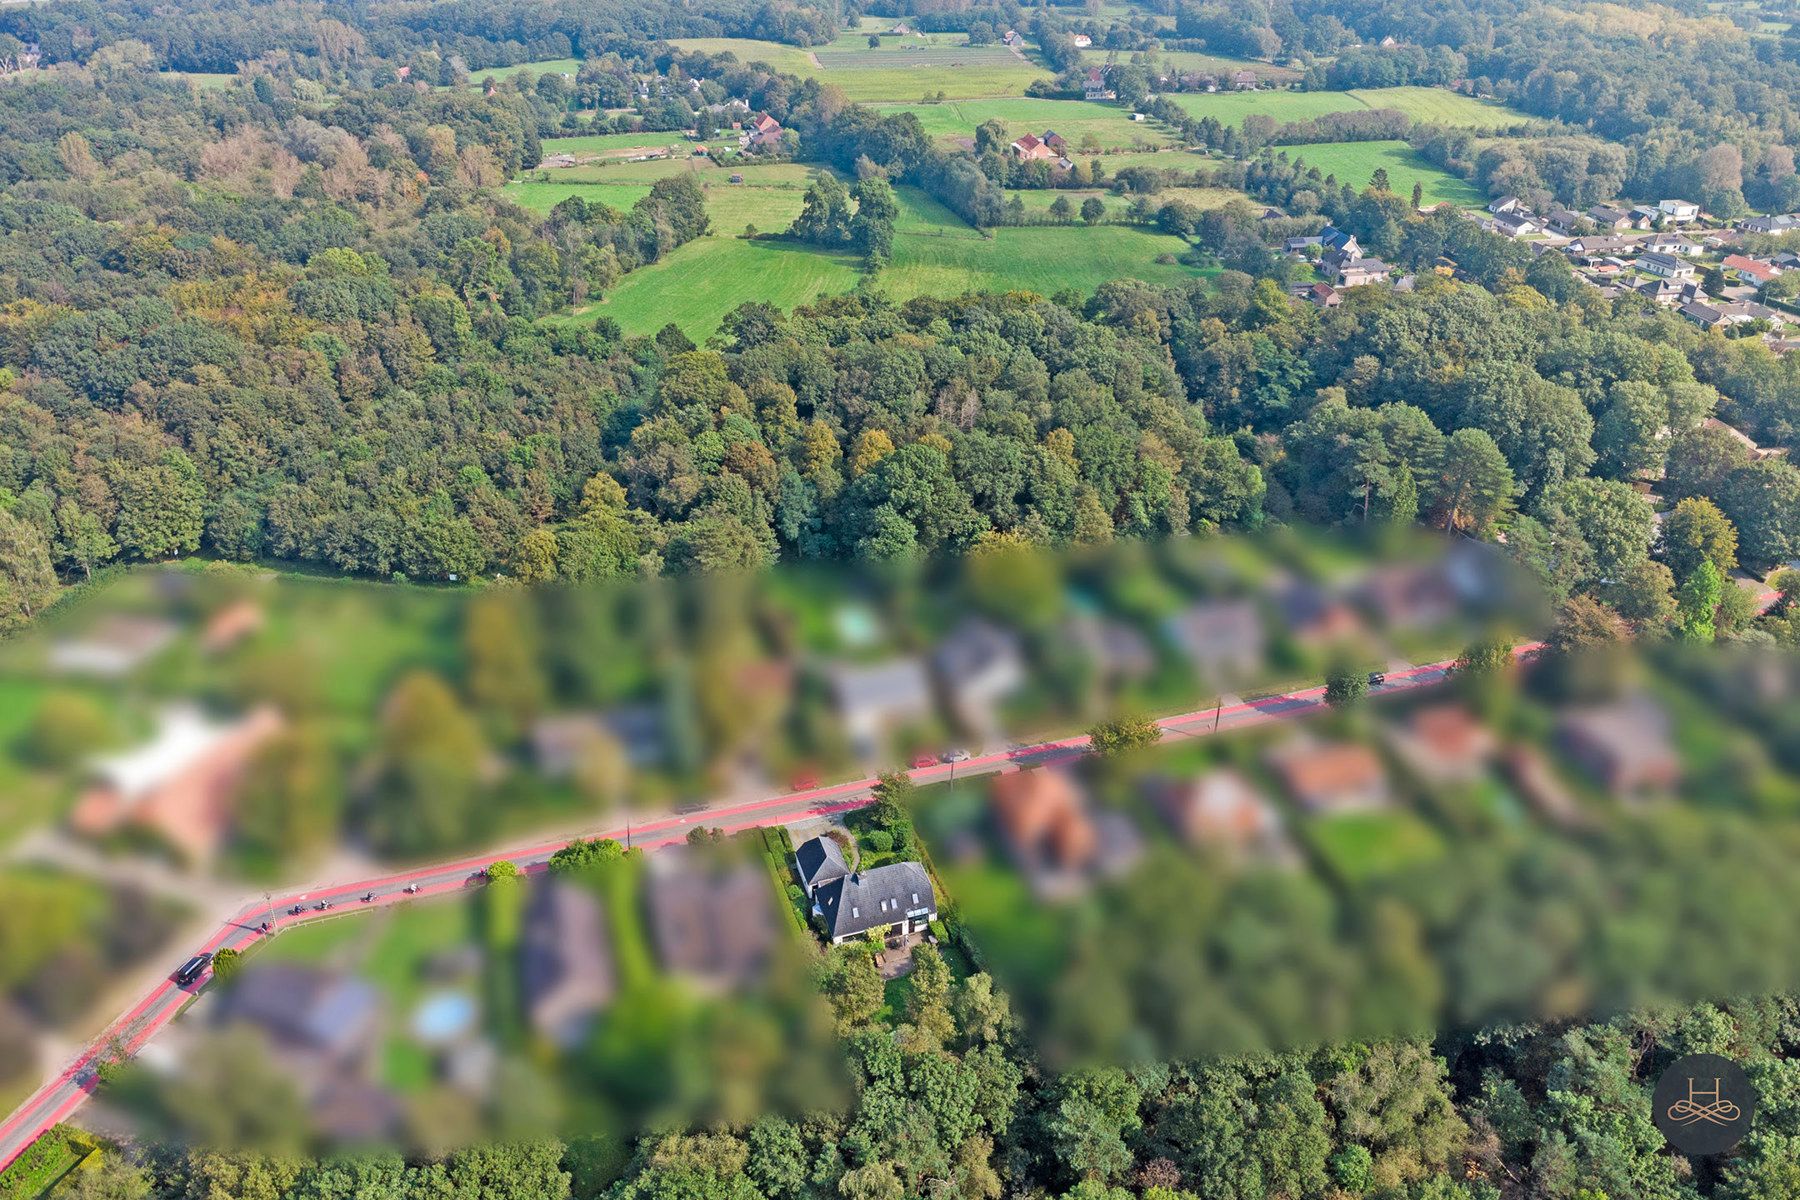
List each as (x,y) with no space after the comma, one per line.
(368,896)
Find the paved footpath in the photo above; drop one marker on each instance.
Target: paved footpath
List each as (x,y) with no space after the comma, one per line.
(69,1089)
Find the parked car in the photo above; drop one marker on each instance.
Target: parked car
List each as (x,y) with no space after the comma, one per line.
(956,756)
(193,969)
(921,761)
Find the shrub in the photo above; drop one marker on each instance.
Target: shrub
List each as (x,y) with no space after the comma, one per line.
(878,841)
(504,869)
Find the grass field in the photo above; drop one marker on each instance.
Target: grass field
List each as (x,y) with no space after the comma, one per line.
(548,66)
(1434,105)
(770,196)
(1108,126)
(1359,846)
(1354,162)
(936,254)
(901,69)
(618,144)
(1222,64)
(698,284)
(1040,199)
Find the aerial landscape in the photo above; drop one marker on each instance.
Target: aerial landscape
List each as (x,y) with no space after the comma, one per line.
(903,600)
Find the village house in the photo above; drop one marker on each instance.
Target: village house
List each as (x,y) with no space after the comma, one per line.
(1752,271)
(978,665)
(1605,216)
(181,786)
(1670,243)
(565,961)
(1337,247)
(1319,295)
(1330,777)
(1012,40)
(1310,614)
(1515,224)
(1244,81)
(1643,216)
(876,699)
(1051,145)
(1757,453)
(1223,639)
(1624,745)
(1723,314)
(709,918)
(1361,271)
(1563,221)
(1444,743)
(1119,652)
(1782,223)
(1082,41)
(1094,87)
(762,133)
(1303,247)
(1508,204)
(896,900)
(1222,809)
(1407,595)
(1057,842)
(1666,266)
(1678,210)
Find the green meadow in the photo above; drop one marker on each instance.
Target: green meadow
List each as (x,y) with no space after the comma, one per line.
(1355,162)
(1087,126)
(900,69)
(1434,105)
(546,66)
(1040,199)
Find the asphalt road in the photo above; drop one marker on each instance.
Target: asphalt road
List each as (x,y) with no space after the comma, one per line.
(57,1099)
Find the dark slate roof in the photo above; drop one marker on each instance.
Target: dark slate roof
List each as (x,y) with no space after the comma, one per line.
(875,899)
(821,861)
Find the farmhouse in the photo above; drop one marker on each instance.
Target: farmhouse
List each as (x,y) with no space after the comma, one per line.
(763,132)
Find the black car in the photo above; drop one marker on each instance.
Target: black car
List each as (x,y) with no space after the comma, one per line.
(192,969)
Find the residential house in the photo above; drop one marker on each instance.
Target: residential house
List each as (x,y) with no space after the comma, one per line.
(1666,266)
(1624,745)
(562,742)
(1013,40)
(1783,223)
(1444,743)
(873,700)
(1678,210)
(1223,639)
(1407,595)
(1563,221)
(1508,204)
(181,786)
(1118,651)
(710,918)
(894,901)
(1094,87)
(565,961)
(1644,216)
(1048,828)
(1516,224)
(1605,216)
(1668,242)
(1082,41)
(1221,808)
(978,665)
(1752,271)
(327,1018)
(1589,248)
(1330,777)
(1308,613)
(1723,314)
(1361,271)
(1244,81)
(1670,293)
(1303,247)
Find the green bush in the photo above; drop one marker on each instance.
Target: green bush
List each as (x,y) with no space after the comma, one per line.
(878,841)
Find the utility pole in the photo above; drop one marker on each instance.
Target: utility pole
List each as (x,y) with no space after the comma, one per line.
(269,910)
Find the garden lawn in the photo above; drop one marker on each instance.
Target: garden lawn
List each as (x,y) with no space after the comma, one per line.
(1355,162)
(1108,126)
(1360,846)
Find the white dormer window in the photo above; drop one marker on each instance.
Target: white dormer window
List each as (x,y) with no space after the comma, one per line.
(855,911)
(915,897)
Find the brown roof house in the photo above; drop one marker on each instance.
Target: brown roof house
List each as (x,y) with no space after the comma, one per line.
(1047,827)
(1445,743)
(181,786)
(565,961)
(710,918)
(1624,745)
(1331,777)
(1221,808)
